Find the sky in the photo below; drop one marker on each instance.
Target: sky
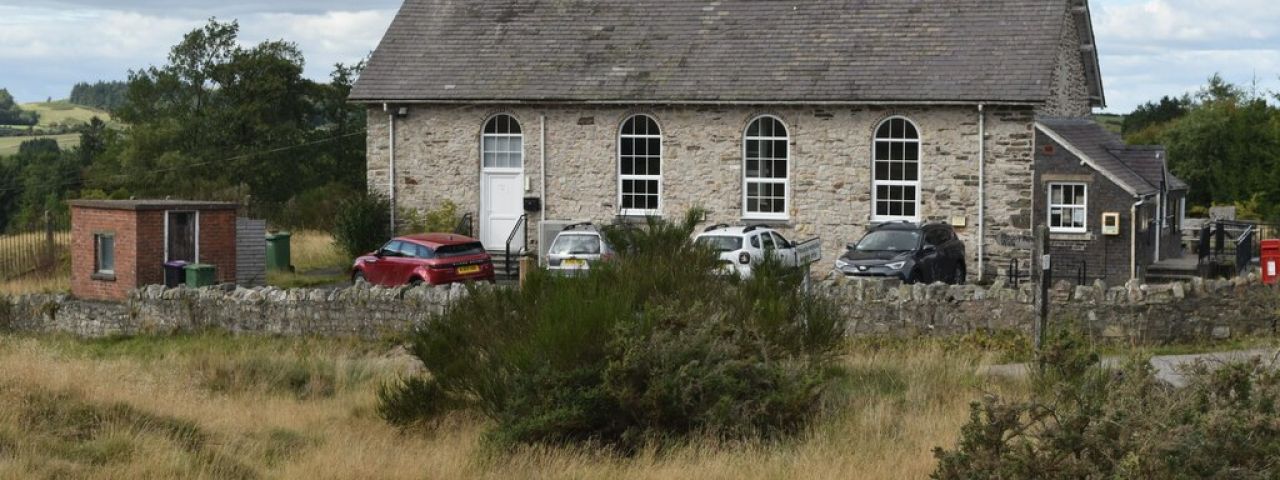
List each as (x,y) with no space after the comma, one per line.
(1148,48)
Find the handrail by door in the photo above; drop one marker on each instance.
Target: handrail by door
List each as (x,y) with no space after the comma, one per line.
(523,222)
(465,225)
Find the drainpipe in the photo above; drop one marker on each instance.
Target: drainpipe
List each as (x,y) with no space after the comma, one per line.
(391,167)
(982,192)
(1133,238)
(542,147)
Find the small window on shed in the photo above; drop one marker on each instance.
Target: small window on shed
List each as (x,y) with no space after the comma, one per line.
(104,253)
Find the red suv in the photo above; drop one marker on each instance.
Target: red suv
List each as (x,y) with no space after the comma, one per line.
(433,259)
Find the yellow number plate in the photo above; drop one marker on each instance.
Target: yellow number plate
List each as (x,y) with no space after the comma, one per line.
(468,270)
(575,262)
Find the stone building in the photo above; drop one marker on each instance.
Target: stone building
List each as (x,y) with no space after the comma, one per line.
(1112,209)
(820,118)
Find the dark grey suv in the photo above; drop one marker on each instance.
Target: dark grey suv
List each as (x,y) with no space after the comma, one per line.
(907,251)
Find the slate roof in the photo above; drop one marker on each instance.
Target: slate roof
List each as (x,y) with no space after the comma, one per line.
(701,51)
(1135,168)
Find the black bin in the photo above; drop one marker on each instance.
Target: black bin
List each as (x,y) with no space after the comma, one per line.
(175,273)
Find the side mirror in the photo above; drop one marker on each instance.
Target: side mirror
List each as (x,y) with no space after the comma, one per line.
(929,249)
(851,247)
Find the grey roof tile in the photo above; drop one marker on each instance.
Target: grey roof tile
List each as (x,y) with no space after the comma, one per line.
(1137,168)
(717,51)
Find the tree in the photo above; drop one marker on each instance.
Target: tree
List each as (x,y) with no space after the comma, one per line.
(1155,113)
(222,120)
(12,114)
(1227,147)
(107,96)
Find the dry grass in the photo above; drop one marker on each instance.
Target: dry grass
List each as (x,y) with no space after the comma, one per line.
(221,407)
(314,250)
(57,282)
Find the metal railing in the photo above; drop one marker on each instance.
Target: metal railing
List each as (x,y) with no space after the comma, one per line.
(522,223)
(42,248)
(465,226)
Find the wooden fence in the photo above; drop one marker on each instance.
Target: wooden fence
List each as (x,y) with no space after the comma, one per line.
(43,249)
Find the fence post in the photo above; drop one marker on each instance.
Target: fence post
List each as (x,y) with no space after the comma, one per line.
(1044,279)
(50,248)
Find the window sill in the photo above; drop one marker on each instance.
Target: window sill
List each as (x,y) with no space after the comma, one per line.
(773,222)
(637,217)
(103,277)
(1072,236)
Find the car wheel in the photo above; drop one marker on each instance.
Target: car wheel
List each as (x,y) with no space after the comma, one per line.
(415,282)
(914,277)
(358,279)
(962,275)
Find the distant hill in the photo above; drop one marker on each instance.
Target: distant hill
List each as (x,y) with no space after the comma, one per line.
(62,112)
(1111,121)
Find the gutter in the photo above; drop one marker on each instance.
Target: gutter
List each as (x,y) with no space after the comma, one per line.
(801,103)
(982,192)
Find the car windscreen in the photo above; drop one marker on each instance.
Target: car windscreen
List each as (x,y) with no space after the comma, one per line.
(889,241)
(721,243)
(576,245)
(459,250)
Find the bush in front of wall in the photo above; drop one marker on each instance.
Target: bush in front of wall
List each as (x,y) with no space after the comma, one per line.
(1087,421)
(362,224)
(650,348)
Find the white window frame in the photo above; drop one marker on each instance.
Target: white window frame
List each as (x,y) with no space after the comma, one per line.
(915,184)
(785,181)
(640,212)
(97,253)
(1052,206)
(166,232)
(519,137)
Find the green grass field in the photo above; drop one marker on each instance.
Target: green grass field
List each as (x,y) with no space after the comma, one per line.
(9,145)
(1111,121)
(63,112)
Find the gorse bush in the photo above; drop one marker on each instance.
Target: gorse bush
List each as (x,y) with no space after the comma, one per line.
(1086,421)
(651,347)
(362,224)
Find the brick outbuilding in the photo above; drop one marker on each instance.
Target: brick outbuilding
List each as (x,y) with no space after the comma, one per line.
(120,245)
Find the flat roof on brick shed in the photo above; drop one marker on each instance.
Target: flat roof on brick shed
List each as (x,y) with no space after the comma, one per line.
(137,205)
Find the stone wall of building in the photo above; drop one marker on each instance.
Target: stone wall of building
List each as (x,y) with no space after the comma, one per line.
(1131,313)
(438,160)
(1069,92)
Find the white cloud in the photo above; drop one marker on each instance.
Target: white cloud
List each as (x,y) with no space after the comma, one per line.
(1152,48)
(58,45)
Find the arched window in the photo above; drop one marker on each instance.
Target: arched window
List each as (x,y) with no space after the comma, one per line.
(640,166)
(896,171)
(503,145)
(765,182)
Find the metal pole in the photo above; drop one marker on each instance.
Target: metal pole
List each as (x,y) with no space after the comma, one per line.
(1045,279)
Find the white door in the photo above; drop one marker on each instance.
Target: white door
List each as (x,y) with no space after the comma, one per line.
(501,206)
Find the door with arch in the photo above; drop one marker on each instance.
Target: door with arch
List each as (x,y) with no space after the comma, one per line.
(501,181)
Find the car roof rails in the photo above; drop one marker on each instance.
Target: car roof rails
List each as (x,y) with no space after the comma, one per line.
(715,227)
(752,228)
(577,225)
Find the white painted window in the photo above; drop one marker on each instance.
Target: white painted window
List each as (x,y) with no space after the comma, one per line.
(104,253)
(503,144)
(896,171)
(640,166)
(766,174)
(1068,207)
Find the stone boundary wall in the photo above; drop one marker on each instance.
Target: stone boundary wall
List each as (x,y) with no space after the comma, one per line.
(365,312)
(1143,314)
(1200,310)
